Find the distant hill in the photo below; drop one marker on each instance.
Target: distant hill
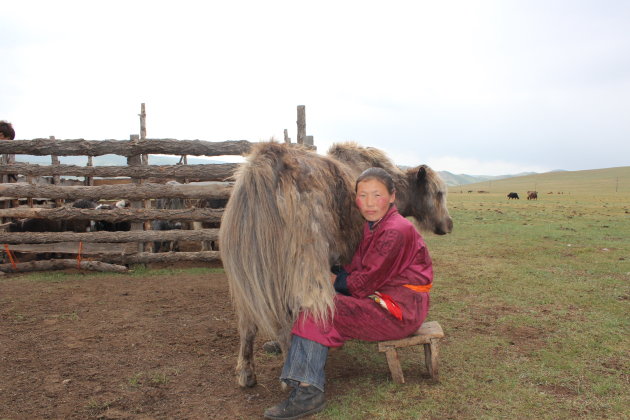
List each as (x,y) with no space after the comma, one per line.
(452,179)
(112,160)
(594,181)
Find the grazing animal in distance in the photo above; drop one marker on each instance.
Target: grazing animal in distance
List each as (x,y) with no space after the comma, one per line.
(291,215)
(532,195)
(512,195)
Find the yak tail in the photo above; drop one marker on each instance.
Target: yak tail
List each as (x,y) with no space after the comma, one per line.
(274,242)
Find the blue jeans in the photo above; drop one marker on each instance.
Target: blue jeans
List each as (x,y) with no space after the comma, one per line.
(305,363)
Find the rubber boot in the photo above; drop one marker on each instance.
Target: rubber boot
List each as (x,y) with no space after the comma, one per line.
(303,401)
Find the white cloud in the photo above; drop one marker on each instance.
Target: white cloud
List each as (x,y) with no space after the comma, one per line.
(483,86)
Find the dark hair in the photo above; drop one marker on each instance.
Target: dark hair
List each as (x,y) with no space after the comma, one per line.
(6,129)
(379,174)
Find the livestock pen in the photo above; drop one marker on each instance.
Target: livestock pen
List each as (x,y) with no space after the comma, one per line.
(138,182)
(147,183)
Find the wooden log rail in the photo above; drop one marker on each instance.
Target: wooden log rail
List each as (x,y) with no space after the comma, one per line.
(115,192)
(209,172)
(147,257)
(114,216)
(112,262)
(128,148)
(61,265)
(109,237)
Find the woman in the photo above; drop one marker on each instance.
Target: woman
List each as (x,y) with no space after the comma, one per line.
(383,294)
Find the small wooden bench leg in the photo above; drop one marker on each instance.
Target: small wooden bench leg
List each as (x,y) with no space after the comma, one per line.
(431,353)
(394,366)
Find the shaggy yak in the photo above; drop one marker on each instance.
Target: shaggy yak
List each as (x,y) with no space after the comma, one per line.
(290,217)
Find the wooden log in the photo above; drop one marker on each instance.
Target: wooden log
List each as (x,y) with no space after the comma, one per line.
(143,122)
(108,237)
(146,257)
(81,147)
(76,248)
(89,179)
(117,215)
(48,265)
(132,161)
(115,192)
(301,124)
(203,172)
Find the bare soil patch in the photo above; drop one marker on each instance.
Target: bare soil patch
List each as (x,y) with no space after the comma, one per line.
(123,347)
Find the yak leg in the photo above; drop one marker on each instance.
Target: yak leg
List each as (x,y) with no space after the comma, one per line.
(284,339)
(281,344)
(245,372)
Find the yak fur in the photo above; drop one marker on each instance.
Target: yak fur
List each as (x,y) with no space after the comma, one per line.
(292,215)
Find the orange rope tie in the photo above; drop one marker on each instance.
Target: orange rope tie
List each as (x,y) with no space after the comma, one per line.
(12,258)
(79,254)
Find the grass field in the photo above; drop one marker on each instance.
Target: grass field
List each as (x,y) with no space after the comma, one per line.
(590,182)
(534,300)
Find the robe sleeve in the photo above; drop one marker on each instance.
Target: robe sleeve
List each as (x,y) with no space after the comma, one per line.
(378,264)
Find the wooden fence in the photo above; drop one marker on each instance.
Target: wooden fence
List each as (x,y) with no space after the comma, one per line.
(142,183)
(115,247)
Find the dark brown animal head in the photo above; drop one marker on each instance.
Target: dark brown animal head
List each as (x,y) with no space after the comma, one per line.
(425,200)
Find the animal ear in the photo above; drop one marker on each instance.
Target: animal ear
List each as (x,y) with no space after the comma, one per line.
(421,177)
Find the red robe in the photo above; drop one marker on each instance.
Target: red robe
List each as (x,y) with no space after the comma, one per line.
(391,254)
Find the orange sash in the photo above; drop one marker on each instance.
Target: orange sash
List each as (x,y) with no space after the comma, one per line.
(419,287)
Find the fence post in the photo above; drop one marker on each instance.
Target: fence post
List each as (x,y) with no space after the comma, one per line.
(301,124)
(145,161)
(136,160)
(56,179)
(287,139)
(143,131)
(89,181)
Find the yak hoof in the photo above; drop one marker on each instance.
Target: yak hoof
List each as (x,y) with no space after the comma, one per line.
(272,347)
(246,379)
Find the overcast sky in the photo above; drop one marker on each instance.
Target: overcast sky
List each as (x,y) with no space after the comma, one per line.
(475,87)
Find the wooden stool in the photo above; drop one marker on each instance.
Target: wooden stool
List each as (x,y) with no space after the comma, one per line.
(429,334)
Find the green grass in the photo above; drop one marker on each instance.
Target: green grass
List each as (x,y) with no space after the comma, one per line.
(533,298)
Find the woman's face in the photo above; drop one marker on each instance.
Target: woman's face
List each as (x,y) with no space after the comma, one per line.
(373,199)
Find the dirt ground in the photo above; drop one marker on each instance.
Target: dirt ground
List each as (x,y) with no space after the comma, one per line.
(123,347)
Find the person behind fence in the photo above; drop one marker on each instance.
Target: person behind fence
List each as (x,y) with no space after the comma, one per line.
(383,294)
(7,133)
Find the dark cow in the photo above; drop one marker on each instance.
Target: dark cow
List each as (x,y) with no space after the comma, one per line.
(512,195)
(209,203)
(168,204)
(103,225)
(46,225)
(532,195)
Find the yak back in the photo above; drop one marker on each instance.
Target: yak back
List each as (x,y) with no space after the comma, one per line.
(360,158)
